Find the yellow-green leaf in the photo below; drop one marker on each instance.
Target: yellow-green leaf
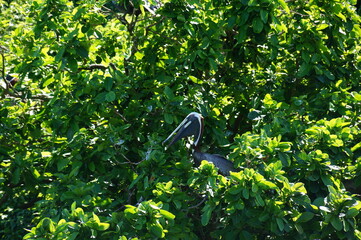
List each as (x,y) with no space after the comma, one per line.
(166,214)
(304,217)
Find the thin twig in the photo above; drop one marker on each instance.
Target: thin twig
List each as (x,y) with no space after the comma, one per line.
(93,67)
(153,24)
(303,15)
(198,204)
(4,199)
(120,115)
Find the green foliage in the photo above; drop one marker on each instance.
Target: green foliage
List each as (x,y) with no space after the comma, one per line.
(102,83)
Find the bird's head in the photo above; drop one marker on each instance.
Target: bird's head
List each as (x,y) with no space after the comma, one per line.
(192,125)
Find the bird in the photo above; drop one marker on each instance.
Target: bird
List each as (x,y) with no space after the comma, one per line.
(12,80)
(193,125)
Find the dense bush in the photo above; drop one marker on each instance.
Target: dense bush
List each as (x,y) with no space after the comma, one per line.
(100,84)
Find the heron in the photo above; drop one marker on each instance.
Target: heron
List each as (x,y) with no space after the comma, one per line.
(193,125)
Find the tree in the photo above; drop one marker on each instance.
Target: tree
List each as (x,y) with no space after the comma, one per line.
(102,83)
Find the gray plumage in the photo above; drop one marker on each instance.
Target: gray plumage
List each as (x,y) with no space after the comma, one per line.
(224,165)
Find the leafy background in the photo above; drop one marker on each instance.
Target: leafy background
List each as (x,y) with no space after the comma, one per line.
(102,83)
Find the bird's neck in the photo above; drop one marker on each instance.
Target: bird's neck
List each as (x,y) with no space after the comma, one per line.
(196,148)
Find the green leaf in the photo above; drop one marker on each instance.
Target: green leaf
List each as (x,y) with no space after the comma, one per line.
(74,171)
(73,207)
(166,214)
(157,230)
(72,64)
(96,218)
(202,54)
(234,190)
(110,96)
(328,183)
(48,224)
(181,18)
(254,187)
(103,226)
(100,98)
(264,15)
(108,83)
(336,223)
(267,185)
(268,100)
(213,64)
(35,172)
(284,6)
(321,26)
(82,51)
(304,69)
(305,217)
(91,166)
(255,115)
(245,193)
(239,204)
(355,209)
(206,216)
(79,212)
(48,82)
(257,24)
(72,236)
(141,7)
(189,29)
(85,28)
(178,204)
(194,79)
(259,200)
(306,56)
(62,163)
(357,96)
(329,75)
(168,118)
(168,93)
(242,33)
(352,212)
(135,181)
(60,53)
(280,224)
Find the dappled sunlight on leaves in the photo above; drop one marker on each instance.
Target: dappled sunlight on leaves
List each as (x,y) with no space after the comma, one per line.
(90,90)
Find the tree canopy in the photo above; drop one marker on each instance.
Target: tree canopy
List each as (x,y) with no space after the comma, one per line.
(90,89)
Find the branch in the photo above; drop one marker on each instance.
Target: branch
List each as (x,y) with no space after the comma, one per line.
(153,24)
(93,67)
(29,203)
(198,204)
(38,96)
(4,199)
(302,15)
(120,115)
(41,97)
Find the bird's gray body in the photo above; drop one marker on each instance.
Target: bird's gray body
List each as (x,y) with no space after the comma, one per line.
(224,165)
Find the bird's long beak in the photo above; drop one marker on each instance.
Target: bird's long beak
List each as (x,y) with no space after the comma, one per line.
(183,125)
(191,125)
